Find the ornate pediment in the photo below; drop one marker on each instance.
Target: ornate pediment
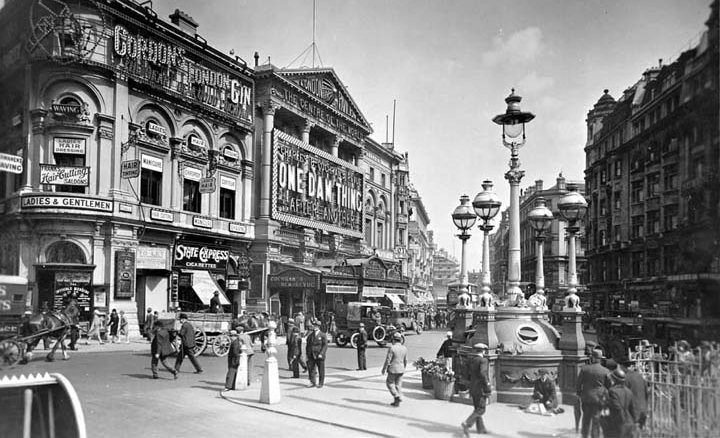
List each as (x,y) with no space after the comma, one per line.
(324,84)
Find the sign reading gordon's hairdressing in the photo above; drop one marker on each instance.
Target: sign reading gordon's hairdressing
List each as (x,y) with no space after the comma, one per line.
(161,63)
(200,256)
(314,189)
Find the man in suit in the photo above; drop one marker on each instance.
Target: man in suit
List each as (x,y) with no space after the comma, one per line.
(215,306)
(479,388)
(187,335)
(233,361)
(621,422)
(592,392)
(160,348)
(316,348)
(395,363)
(640,390)
(149,324)
(295,351)
(361,347)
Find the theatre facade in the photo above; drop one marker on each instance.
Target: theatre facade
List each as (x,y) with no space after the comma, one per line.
(135,143)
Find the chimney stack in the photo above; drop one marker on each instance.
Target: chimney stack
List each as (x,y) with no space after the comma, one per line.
(561,182)
(538,185)
(184,22)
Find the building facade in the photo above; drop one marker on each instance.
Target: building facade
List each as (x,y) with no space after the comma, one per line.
(135,139)
(446,272)
(653,160)
(420,249)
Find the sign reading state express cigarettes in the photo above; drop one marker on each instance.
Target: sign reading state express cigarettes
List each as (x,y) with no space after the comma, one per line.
(314,189)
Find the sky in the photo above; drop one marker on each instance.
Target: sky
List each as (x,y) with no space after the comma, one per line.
(449,65)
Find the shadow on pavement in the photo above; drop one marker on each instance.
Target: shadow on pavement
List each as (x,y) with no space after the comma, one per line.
(568,432)
(213,383)
(367,402)
(440,428)
(139,376)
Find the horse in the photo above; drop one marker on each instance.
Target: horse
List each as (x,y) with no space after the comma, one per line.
(52,324)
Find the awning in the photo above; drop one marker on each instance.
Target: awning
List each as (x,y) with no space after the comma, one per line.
(205,286)
(340,289)
(373,291)
(395,298)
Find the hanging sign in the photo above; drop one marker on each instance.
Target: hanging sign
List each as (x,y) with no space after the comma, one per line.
(130,169)
(11,163)
(207,185)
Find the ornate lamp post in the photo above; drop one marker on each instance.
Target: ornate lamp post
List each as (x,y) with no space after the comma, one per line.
(486,205)
(540,219)
(572,207)
(463,218)
(513,123)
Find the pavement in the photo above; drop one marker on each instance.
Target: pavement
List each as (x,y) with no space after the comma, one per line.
(358,404)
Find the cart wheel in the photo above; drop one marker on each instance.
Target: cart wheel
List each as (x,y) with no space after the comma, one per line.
(10,353)
(200,342)
(379,334)
(341,339)
(221,345)
(354,340)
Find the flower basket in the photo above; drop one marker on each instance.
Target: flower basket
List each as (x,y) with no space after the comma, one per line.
(427,382)
(442,389)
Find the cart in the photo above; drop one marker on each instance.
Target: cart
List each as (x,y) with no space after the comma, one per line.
(13,297)
(357,312)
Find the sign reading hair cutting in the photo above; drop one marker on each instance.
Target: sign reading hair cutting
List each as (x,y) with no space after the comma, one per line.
(64,175)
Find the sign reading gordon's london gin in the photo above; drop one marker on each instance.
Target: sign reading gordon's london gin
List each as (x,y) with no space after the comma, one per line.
(315,189)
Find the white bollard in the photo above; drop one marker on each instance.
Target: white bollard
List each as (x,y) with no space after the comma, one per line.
(241,378)
(270,390)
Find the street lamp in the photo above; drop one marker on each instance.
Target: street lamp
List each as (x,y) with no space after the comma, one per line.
(486,205)
(573,207)
(540,219)
(464,219)
(513,136)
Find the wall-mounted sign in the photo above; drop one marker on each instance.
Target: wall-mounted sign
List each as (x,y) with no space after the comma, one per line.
(161,215)
(73,146)
(237,228)
(313,188)
(164,64)
(230,153)
(11,163)
(202,222)
(197,142)
(192,174)
(64,175)
(294,278)
(151,163)
(227,183)
(125,208)
(197,255)
(374,269)
(66,202)
(154,128)
(124,274)
(66,108)
(153,257)
(130,169)
(207,185)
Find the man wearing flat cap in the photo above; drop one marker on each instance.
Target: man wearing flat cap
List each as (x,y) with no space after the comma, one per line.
(592,391)
(233,360)
(215,306)
(479,388)
(187,334)
(395,363)
(621,421)
(544,390)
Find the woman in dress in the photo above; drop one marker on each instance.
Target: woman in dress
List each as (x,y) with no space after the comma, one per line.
(124,327)
(95,326)
(114,325)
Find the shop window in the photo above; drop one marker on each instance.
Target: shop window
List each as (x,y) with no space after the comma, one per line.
(69,160)
(382,179)
(64,252)
(227,203)
(151,187)
(191,196)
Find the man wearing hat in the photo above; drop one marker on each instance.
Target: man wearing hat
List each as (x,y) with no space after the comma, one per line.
(591,391)
(246,340)
(295,352)
(621,421)
(215,306)
(641,391)
(362,340)
(395,364)
(187,334)
(316,348)
(160,348)
(479,388)
(233,360)
(544,390)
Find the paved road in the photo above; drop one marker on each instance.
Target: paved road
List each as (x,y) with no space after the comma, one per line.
(120,399)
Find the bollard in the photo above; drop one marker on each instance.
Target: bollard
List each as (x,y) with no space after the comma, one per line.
(270,390)
(243,374)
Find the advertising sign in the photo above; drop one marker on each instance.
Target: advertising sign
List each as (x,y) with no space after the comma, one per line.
(207,185)
(65,202)
(200,256)
(11,163)
(130,169)
(64,175)
(124,274)
(73,146)
(315,189)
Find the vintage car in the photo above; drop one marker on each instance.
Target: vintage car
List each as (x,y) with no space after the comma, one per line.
(617,334)
(357,312)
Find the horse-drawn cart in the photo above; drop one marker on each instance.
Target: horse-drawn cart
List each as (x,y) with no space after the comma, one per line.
(210,329)
(13,295)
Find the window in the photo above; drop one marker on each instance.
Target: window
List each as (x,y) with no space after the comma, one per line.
(227,203)
(617,200)
(653,262)
(382,179)
(638,229)
(617,233)
(637,195)
(618,169)
(70,160)
(603,207)
(603,238)
(191,196)
(638,261)
(653,222)
(372,174)
(671,217)
(380,242)
(671,177)
(151,187)
(653,185)
(368,232)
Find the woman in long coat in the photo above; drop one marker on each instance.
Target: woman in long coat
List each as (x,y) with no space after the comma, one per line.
(114,325)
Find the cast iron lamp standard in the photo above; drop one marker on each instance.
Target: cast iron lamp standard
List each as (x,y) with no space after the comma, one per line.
(464,219)
(572,208)
(486,205)
(513,136)
(540,219)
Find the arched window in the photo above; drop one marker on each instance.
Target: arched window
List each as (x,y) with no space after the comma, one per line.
(65,252)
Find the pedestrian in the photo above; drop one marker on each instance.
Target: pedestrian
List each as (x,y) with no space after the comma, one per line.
(289,340)
(149,322)
(124,332)
(233,360)
(641,391)
(161,348)
(445,348)
(544,391)
(377,317)
(215,306)
(187,336)
(479,389)
(592,392)
(621,421)
(361,347)
(395,363)
(95,326)
(246,339)
(295,352)
(316,348)
(300,323)
(114,325)
(72,312)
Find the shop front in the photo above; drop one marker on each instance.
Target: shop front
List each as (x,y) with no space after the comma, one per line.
(381,282)
(199,270)
(293,288)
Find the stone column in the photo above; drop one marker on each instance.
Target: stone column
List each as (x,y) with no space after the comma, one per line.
(306,131)
(247,179)
(242,376)
(176,188)
(107,153)
(572,345)
(514,175)
(269,109)
(33,151)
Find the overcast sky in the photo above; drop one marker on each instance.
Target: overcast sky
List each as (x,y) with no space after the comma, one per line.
(451,63)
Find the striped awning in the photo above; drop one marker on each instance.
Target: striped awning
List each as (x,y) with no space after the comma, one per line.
(340,289)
